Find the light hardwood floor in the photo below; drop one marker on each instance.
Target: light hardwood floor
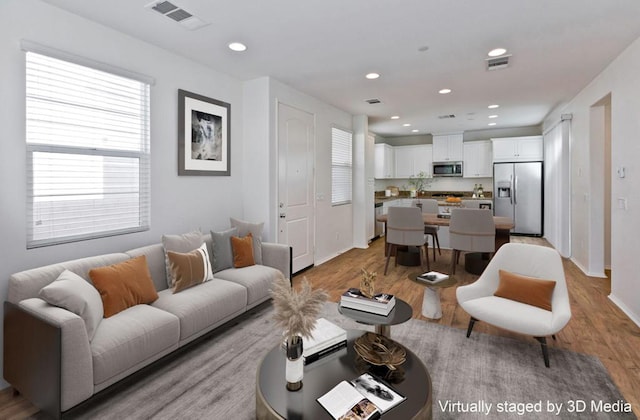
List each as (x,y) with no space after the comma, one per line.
(597,326)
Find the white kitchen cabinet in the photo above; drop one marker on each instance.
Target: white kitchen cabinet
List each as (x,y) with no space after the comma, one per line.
(517,149)
(477,159)
(385,161)
(411,160)
(447,148)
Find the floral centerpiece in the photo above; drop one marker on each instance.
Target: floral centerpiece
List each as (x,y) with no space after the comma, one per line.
(296,313)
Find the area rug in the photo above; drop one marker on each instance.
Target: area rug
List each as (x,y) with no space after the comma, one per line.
(482,376)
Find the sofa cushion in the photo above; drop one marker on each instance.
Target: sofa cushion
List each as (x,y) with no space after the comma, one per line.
(530,290)
(242,249)
(124,285)
(222,257)
(75,294)
(204,306)
(130,338)
(155,260)
(244,228)
(189,269)
(179,243)
(258,279)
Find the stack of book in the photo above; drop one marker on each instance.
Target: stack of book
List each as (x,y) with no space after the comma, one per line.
(326,337)
(380,304)
(432,277)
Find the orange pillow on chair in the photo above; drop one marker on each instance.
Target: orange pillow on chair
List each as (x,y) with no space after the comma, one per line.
(242,251)
(530,290)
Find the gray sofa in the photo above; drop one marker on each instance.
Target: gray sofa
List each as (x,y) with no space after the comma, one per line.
(49,358)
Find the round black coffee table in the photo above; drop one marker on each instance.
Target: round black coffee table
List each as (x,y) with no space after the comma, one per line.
(273,401)
(400,313)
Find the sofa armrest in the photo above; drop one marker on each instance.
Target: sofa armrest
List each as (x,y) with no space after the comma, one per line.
(278,256)
(47,356)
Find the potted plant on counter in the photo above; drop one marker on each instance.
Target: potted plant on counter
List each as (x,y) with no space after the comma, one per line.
(419,183)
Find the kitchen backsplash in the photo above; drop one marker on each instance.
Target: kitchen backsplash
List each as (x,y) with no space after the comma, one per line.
(438,184)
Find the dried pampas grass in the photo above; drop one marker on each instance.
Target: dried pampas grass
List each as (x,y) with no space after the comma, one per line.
(296,312)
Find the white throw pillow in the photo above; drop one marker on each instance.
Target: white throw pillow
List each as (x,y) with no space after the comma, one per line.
(75,294)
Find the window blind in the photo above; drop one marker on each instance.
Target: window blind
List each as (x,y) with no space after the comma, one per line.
(88,152)
(341,166)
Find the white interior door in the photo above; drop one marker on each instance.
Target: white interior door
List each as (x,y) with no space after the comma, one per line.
(296,134)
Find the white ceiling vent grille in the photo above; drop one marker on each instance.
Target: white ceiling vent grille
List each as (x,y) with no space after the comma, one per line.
(496,63)
(177,14)
(372,101)
(447,116)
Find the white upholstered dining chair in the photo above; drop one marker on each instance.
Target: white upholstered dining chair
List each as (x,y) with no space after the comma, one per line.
(471,230)
(405,227)
(533,261)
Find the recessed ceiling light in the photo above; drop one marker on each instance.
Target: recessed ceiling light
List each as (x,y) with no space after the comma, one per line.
(493,116)
(492,124)
(237,46)
(444,91)
(406,125)
(372,76)
(497,52)
(415,131)
(493,106)
(395,117)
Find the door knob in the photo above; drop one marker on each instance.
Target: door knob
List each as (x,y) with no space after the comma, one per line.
(283,215)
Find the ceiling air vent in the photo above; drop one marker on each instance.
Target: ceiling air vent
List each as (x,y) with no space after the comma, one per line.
(177,14)
(446,117)
(372,101)
(496,63)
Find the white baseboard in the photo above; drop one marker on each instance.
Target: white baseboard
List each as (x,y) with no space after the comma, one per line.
(634,317)
(330,257)
(587,272)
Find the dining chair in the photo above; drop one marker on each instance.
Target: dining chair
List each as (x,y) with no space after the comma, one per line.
(471,230)
(523,290)
(405,227)
(431,206)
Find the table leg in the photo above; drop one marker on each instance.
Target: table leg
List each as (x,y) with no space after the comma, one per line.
(431,307)
(384,330)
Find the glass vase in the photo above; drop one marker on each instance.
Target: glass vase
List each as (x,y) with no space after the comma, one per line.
(294,369)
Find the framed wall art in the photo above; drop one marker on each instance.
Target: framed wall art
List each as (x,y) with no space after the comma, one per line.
(204,135)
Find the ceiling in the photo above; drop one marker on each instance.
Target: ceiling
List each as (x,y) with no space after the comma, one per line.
(325,47)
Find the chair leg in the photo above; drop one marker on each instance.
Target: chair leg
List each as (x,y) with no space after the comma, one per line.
(426,255)
(386,264)
(438,244)
(545,350)
(472,322)
(453,261)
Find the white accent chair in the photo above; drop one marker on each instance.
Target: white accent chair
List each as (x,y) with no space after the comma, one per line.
(405,227)
(471,230)
(478,299)
(431,206)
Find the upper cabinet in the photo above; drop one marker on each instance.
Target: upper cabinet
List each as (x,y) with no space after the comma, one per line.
(411,160)
(385,161)
(477,159)
(517,149)
(447,148)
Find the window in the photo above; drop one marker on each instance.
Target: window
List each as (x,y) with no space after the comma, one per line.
(87,138)
(341,167)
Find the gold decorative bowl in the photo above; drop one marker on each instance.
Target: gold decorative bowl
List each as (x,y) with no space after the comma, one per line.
(379,350)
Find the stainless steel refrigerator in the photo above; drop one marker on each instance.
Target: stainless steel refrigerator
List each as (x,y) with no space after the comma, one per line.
(517,193)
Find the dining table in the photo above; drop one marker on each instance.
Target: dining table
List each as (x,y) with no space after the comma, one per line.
(503,233)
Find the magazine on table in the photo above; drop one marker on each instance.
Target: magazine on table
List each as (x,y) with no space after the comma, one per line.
(367,308)
(432,277)
(365,397)
(379,300)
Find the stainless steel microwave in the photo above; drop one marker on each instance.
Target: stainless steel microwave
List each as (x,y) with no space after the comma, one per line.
(447,168)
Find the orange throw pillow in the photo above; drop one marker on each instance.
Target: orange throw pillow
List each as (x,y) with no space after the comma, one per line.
(124,285)
(523,289)
(242,251)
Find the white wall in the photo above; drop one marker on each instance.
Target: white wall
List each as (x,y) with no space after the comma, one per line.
(620,79)
(334,226)
(178,204)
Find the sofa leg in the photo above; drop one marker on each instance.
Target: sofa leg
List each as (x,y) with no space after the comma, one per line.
(472,321)
(545,350)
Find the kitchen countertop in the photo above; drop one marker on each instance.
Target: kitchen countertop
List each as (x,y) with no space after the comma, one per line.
(379,199)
